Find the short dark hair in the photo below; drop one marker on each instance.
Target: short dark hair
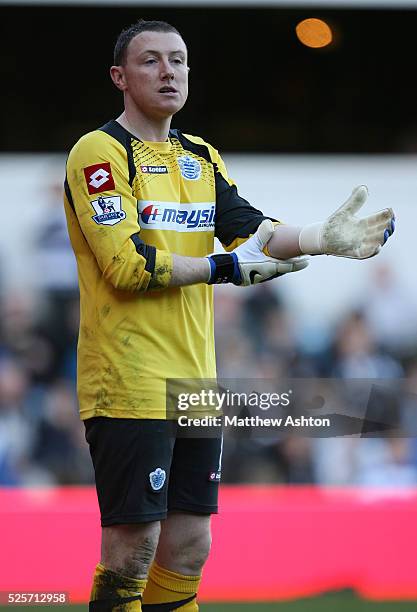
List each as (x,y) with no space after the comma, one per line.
(124,38)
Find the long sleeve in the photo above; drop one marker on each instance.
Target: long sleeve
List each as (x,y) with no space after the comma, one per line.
(99,192)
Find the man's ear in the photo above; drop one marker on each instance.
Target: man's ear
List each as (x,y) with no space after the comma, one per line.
(118,77)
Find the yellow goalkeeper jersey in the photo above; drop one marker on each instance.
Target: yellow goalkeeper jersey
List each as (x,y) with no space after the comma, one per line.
(129,206)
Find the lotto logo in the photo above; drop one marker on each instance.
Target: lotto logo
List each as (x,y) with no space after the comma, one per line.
(99,178)
(154,169)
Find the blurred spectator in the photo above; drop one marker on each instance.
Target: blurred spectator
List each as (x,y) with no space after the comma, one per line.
(390,312)
(57,284)
(262,304)
(59,446)
(16,432)
(22,337)
(54,255)
(295,456)
(334,461)
(357,355)
(386,462)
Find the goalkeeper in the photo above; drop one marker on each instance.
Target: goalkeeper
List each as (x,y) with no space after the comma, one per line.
(143,204)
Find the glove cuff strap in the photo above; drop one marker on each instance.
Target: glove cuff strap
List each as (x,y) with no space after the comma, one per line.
(309,239)
(224,269)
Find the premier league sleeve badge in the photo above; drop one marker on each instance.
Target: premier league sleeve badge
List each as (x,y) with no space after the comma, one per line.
(109,210)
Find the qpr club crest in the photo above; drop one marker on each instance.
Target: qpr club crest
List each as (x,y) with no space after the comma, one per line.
(157,479)
(190,167)
(109,210)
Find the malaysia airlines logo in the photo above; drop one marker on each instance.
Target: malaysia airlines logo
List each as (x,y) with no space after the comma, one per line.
(99,178)
(194,217)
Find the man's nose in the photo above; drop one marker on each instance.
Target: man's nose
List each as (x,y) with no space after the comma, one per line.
(167,72)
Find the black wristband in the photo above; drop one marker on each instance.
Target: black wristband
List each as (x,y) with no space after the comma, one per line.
(224,269)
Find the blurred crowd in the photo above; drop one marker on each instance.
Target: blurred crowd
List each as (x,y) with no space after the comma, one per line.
(257,336)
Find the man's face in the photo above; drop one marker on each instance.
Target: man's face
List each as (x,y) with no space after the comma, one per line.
(155,75)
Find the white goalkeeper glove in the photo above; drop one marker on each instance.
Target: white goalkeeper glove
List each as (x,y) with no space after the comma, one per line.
(248,265)
(345,235)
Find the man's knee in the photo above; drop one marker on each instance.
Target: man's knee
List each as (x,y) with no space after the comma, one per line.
(129,549)
(198,553)
(192,552)
(185,543)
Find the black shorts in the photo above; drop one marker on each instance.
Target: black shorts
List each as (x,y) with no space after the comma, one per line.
(143,470)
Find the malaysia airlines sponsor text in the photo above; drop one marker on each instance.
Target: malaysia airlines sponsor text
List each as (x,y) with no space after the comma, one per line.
(192,217)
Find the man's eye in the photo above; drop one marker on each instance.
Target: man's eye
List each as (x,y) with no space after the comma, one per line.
(150,61)
(177,61)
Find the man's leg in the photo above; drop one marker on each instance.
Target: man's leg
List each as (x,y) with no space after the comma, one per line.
(127,453)
(174,577)
(120,578)
(185,538)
